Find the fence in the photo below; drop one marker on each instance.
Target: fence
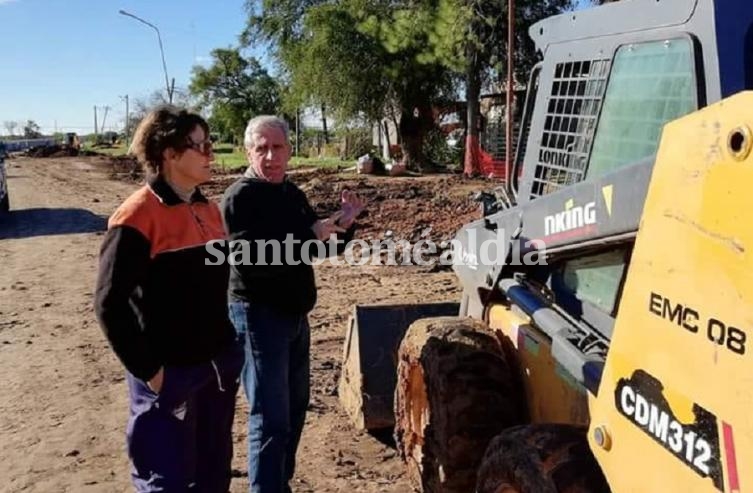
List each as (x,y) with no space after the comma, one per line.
(25,144)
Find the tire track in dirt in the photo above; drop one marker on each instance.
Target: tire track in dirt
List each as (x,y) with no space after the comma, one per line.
(56,415)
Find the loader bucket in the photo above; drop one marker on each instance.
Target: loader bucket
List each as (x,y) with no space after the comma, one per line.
(369,366)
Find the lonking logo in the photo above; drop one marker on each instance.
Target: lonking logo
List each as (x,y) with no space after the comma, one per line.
(572,218)
(554,158)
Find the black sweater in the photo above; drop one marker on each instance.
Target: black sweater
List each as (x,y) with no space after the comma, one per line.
(256,211)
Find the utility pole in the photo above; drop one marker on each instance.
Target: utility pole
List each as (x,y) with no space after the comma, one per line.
(127,122)
(107,108)
(95,124)
(508,104)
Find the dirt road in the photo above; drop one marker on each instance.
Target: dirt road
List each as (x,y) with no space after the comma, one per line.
(63,396)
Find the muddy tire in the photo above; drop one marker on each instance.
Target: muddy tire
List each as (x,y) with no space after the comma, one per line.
(455,392)
(550,458)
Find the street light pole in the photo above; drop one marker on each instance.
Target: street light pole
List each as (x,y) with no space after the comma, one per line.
(162,51)
(509,155)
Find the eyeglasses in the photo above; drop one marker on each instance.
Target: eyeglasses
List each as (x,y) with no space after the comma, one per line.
(204,147)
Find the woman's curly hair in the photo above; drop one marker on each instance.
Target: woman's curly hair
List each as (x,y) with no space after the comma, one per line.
(165,127)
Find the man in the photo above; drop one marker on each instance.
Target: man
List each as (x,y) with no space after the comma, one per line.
(271,295)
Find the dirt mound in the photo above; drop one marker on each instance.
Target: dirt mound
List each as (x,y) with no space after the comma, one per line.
(125,168)
(57,151)
(85,152)
(125,164)
(429,207)
(50,151)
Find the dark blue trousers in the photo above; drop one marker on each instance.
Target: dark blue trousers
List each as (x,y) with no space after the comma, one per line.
(180,440)
(276,382)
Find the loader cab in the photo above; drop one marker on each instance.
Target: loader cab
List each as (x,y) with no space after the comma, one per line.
(612,76)
(572,333)
(610,79)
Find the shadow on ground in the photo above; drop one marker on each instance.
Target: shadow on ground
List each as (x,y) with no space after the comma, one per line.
(384,435)
(27,223)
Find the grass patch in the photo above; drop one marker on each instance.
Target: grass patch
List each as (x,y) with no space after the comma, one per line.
(118,150)
(231,159)
(324,162)
(226,156)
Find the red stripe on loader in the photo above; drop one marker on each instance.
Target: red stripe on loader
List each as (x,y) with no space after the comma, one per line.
(729,448)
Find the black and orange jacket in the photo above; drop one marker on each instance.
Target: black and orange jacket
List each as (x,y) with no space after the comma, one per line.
(161,299)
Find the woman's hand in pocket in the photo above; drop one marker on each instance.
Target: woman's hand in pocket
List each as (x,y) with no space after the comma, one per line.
(155,384)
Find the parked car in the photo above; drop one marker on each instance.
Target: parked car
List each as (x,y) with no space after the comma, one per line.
(4,200)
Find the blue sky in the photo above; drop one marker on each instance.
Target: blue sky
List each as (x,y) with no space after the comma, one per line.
(60,58)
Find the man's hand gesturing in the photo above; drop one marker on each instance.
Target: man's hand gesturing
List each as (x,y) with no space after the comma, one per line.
(351,207)
(324,228)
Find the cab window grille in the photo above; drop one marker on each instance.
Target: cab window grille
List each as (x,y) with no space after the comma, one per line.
(574,103)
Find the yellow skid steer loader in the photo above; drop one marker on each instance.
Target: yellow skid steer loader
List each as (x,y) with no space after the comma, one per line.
(608,349)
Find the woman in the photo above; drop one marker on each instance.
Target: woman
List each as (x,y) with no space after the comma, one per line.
(163,309)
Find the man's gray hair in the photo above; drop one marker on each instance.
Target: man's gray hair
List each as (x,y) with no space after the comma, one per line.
(258,123)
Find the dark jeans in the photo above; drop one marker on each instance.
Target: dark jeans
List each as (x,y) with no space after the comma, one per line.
(276,381)
(180,440)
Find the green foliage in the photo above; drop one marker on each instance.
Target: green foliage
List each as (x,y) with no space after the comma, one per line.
(334,64)
(141,105)
(10,127)
(355,56)
(355,142)
(431,32)
(485,35)
(32,130)
(234,89)
(235,160)
(438,151)
(366,58)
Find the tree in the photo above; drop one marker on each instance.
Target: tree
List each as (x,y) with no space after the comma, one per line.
(234,89)
(10,126)
(140,106)
(343,55)
(32,130)
(372,57)
(422,69)
(482,55)
(469,39)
